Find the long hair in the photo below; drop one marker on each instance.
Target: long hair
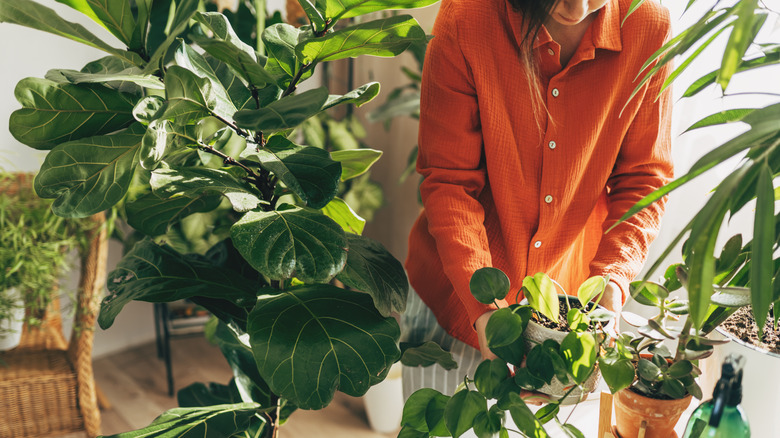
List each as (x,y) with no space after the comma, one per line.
(534,13)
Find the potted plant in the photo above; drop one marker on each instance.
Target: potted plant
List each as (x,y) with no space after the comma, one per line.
(652,384)
(34,247)
(163,130)
(752,277)
(562,367)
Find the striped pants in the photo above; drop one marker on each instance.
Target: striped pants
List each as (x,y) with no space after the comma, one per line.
(418,325)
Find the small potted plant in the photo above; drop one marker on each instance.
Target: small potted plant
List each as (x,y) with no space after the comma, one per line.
(562,365)
(33,252)
(653,384)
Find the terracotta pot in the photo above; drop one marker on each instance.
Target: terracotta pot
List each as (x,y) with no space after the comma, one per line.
(661,415)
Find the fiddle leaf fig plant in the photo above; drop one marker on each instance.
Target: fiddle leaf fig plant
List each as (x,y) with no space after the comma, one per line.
(187,119)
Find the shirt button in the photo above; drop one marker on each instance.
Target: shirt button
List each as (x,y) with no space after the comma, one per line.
(551,144)
(551,51)
(548,199)
(555,92)
(537,244)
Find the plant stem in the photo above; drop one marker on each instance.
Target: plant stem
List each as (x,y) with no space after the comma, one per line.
(260,24)
(294,83)
(683,339)
(232,126)
(228,159)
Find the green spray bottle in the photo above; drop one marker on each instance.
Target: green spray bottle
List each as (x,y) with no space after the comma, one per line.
(722,416)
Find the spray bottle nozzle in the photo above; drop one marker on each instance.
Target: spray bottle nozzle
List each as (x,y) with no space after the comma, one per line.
(728,390)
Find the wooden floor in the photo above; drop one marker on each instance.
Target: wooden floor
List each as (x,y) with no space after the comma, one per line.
(134,383)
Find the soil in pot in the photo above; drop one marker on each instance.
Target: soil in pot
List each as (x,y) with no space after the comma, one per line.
(742,325)
(561,325)
(631,409)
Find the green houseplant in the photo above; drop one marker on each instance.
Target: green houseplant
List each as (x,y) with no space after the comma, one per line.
(162,131)
(34,246)
(750,277)
(524,363)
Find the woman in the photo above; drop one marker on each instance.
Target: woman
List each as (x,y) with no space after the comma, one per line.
(531,148)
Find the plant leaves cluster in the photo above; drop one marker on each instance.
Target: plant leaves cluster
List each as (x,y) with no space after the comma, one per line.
(191,133)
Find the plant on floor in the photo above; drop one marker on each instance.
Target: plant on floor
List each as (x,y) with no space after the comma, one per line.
(165,131)
(523,364)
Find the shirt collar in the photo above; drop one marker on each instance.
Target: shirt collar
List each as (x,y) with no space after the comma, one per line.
(605,29)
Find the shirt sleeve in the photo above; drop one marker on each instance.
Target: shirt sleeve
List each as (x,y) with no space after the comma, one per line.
(450,160)
(644,164)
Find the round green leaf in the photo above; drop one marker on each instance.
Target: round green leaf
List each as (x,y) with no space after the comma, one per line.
(579,353)
(503,327)
(416,407)
(590,289)
(680,369)
(312,340)
(617,374)
(648,293)
(648,370)
(461,411)
(489,375)
(539,363)
(291,243)
(488,424)
(489,284)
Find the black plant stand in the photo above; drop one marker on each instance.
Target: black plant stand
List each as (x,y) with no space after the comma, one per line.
(167,327)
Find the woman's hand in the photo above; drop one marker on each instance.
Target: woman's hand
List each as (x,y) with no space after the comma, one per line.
(612,298)
(480,325)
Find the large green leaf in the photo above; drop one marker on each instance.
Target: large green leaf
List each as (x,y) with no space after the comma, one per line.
(280,41)
(540,291)
(357,97)
(524,419)
(220,421)
(228,48)
(235,347)
(312,340)
(355,162)
(153,215)
(424,412)
(190,97)
(285,113)
(426,354)
(739,40)
(192,182)
(115,16)
(342,214)
(158,274)
(722,117)
(461,410)
(337,9)
(762,267)
(288,243)
(770,57)
(31,14)
(306,170)
(193,61)
(383,37)
(166,28)
(147,81)
(54,113)
(90,175)
(239,94)
(371,268)
(579,352)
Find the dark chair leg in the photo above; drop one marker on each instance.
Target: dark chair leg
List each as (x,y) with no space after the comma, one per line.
(167,348)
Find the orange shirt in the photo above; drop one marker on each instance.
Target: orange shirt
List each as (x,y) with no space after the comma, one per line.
(499,192)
